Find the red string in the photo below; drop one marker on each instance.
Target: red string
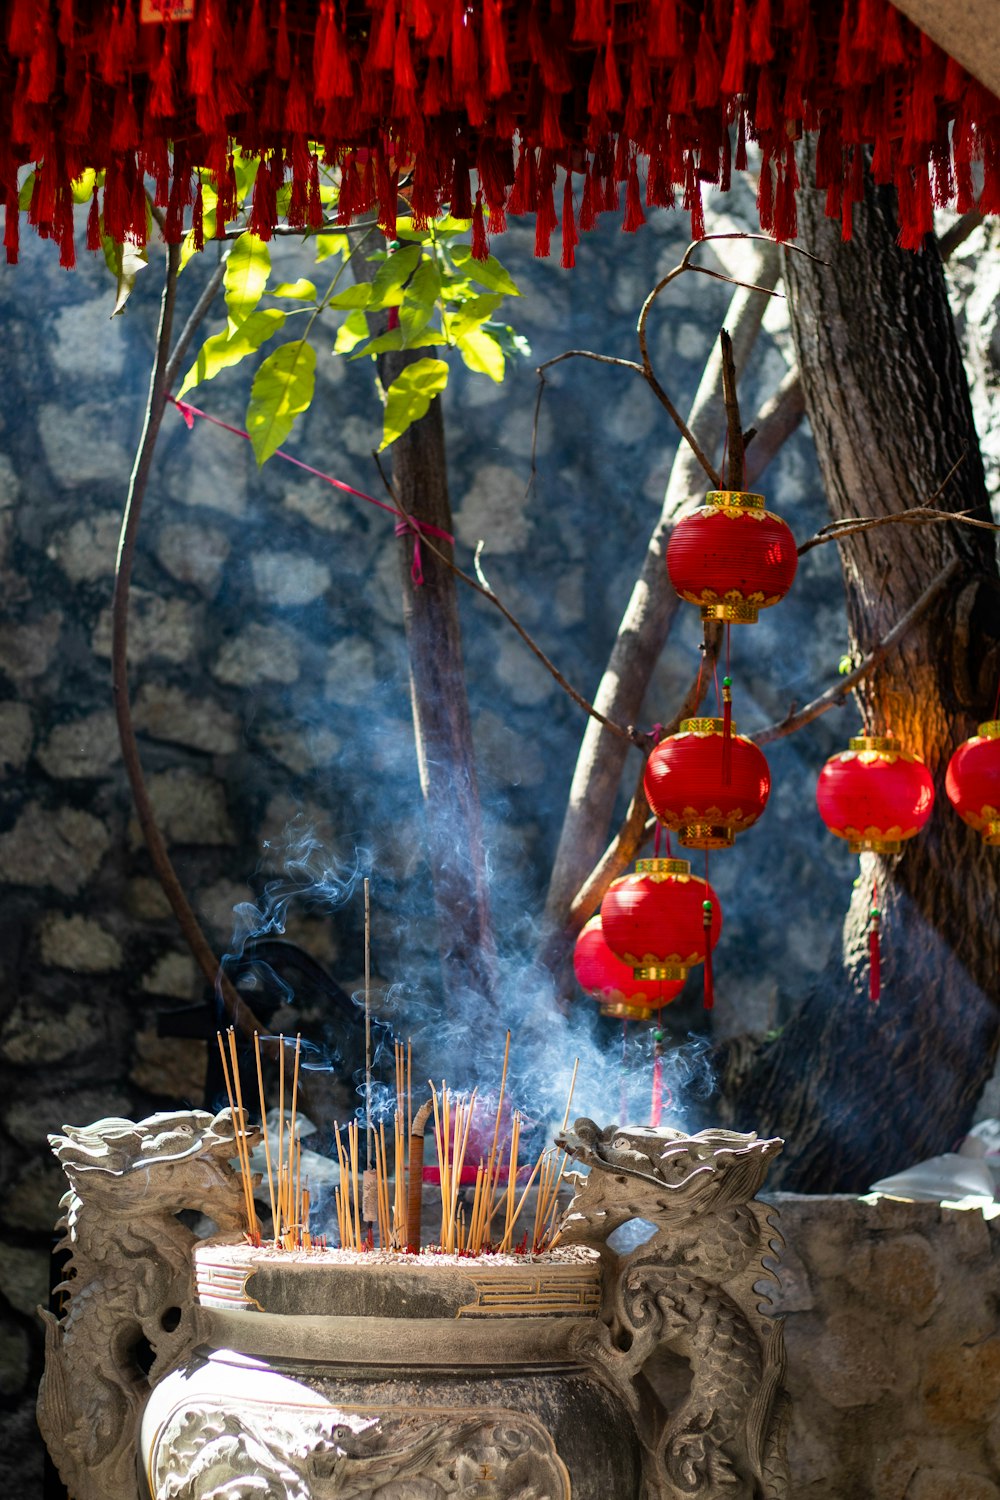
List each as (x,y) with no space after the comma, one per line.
(404,523)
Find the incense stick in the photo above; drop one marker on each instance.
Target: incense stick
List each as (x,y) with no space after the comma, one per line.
(263,1122)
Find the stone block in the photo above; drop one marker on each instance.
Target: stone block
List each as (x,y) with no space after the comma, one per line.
(60,847)
(87,549)
(78,445)
(159,629)
(289,579)
(903,1277)
(78,943)
(190,809)
(83,747)
(194,554)
(260,653)
(27,650)
(32,1203)
(147,900)
(16,735)
(35,1033)
(170,1067)
(174,974)
(30,1121)
(951,1484)
(494,510)
(961,1385)
(301,750)
(168,713)
(14,1358)
(847,1359)
(350,673)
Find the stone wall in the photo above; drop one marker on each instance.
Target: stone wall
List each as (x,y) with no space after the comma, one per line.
(893,1344)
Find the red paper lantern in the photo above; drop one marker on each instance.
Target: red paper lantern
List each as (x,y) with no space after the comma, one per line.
(688,791)
(612,983)
(732,556)
(973,781)
(653,919)
(875,794)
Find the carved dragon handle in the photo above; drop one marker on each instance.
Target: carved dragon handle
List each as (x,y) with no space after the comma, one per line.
(128,1312)
(680,1311)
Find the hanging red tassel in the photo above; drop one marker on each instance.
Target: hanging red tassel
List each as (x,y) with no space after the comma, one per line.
(656,1102)
(21,34)
(707,72)
(664,38)
(734,73)
(11,226)
(480,244)
(634,215)
(874,951)
(706,907)
(94,223)
(282,50)
(761,45)
(495,47)
(42,78)
(545,206)
(198,219)
(727,730)
(570,237)
(255,49)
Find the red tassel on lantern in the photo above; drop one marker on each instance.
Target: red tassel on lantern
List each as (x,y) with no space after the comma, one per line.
(875,794)
(972,782)
(570,238)
(732,557)
(874,953)
(480,244)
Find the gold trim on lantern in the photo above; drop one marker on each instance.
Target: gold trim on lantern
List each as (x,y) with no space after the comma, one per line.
(882,743)
(703,726)
(617,1011)
(733,612)
(990,730)
(662,867)
(645,973)
(735,501)
(705,836)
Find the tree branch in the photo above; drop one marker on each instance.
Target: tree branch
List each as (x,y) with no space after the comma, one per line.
(236,1008)
(734,422)
(836,694)
(774,424)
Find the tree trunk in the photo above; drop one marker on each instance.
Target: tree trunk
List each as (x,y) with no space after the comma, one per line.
(859,1091)
(441,722)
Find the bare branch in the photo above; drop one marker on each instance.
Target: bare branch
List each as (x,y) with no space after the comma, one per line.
(190,328)
(958,233)
(775,422)
(836,694)
(734,422)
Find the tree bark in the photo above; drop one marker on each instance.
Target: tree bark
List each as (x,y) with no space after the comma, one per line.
(440,706)
(859,1091)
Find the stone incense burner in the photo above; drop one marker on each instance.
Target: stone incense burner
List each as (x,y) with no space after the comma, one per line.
(185,1369)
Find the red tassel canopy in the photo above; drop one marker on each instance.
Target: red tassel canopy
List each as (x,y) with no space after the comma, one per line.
(403,100)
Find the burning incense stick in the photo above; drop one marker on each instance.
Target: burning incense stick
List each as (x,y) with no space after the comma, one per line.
(263,1122)
(414,1197)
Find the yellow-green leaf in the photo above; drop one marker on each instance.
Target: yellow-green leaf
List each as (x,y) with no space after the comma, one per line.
(331,244)
(481,353)
(301,290)
(351,332)
(489,272)
(395,270)
(410,395)
(247,270)
(83,186)
(225,349)
(358,295)
(282,390)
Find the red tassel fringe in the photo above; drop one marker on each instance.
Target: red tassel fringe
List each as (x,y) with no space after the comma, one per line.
(667,93)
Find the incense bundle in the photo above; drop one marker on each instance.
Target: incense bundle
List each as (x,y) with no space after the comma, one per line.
(416,1175)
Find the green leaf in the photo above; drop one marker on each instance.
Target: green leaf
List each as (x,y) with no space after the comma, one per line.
(471,314)
(419,299)
(410,395)
(245,168)
(331,244)
(352,330)
(25,191)
(352,296)
(429,339)
(225,349)
(513,344)
(482,353)
(301,290)
(282,390)
(845,665)
(247,270)
(209,204)
(387,288)
(132,260)
(487,272)
(83,186)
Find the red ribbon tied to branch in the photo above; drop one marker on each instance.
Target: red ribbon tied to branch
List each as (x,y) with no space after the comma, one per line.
(405,523)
